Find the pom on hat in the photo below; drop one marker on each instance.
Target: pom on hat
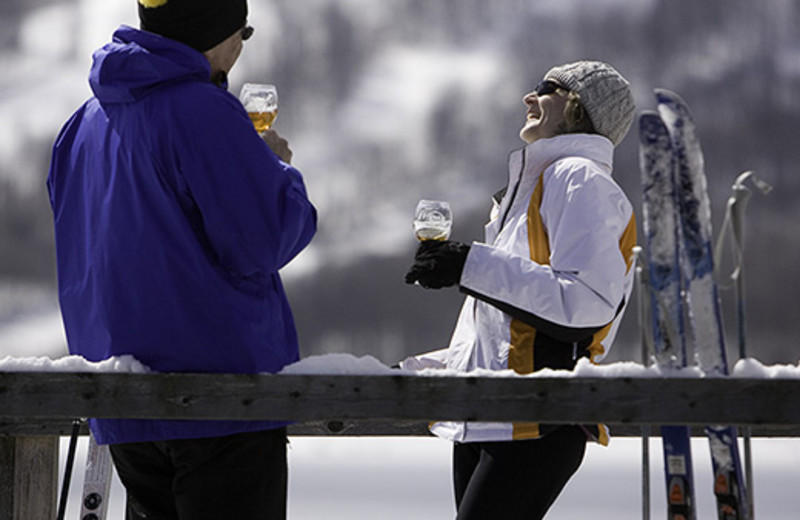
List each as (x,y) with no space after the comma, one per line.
(201,24)
(603,92)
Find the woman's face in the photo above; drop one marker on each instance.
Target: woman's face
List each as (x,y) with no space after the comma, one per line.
(544,115)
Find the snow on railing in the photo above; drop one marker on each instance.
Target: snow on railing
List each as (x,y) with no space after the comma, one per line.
(343,387)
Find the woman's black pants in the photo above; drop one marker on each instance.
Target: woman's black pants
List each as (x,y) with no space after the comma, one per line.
(515,480)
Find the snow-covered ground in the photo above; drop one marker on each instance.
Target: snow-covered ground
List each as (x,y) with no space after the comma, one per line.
(400,478)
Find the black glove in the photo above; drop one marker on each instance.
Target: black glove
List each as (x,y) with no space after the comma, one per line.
(438,264)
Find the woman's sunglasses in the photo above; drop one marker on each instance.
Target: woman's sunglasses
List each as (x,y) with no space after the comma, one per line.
(247,32)
(548,87)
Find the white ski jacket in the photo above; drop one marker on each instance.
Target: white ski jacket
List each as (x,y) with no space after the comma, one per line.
(552,278)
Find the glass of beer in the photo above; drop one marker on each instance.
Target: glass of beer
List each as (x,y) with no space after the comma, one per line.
(261,102)
(433,220)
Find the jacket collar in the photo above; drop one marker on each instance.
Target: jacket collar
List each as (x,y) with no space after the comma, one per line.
(544,152)
(526,164)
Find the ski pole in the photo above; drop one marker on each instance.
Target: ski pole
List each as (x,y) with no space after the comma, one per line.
(738,228)
(734,221)
(73,442)
(645,353)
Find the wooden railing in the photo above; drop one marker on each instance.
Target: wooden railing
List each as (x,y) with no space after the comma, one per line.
(35,408)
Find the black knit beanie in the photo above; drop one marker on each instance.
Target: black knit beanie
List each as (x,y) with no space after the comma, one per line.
(201,24)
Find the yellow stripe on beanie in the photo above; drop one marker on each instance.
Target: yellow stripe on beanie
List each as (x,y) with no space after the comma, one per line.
(153,3)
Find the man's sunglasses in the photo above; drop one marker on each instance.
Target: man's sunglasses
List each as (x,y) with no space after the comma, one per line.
(247,32)
(548,87)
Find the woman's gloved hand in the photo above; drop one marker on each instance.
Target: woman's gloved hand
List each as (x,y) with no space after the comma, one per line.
(438,264)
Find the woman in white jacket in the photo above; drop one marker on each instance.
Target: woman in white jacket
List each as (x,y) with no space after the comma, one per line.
(547,286)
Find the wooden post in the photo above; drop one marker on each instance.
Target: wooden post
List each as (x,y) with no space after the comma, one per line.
(28,477)
(7,445)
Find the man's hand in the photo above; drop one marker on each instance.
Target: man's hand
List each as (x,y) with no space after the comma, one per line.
(278,144)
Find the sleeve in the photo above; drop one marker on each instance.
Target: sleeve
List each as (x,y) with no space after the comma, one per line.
(434,359)
(255,210)
(584,214)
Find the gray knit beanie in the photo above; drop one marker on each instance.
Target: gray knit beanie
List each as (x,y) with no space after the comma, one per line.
(604,93)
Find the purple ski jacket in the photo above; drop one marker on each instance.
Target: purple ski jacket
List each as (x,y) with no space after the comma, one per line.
(172,220)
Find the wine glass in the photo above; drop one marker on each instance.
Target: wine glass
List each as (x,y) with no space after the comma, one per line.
(261,102)
(432,220)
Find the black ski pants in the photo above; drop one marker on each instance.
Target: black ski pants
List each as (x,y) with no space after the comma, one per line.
(241,476)
(516,480)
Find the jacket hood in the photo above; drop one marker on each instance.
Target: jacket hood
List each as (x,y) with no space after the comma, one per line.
(136,62)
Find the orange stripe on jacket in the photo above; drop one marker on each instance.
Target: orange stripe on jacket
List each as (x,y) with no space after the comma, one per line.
(523,336)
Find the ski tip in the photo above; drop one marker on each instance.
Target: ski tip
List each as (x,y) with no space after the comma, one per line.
(667,96)
(671,105)
(647,117)
(651,126)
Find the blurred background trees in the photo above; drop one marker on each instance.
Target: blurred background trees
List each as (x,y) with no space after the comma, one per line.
(388,102)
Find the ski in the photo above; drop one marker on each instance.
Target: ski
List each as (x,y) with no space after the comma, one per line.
(660,211)
(697,259)
(701,294)
(729,482)
(97,482)
(662,234)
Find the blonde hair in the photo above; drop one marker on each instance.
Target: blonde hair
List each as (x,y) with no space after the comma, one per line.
(576,118)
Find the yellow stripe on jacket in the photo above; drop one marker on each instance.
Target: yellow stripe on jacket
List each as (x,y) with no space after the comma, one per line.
(523,336)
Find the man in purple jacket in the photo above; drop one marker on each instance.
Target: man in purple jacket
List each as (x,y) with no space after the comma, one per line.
(173,217)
